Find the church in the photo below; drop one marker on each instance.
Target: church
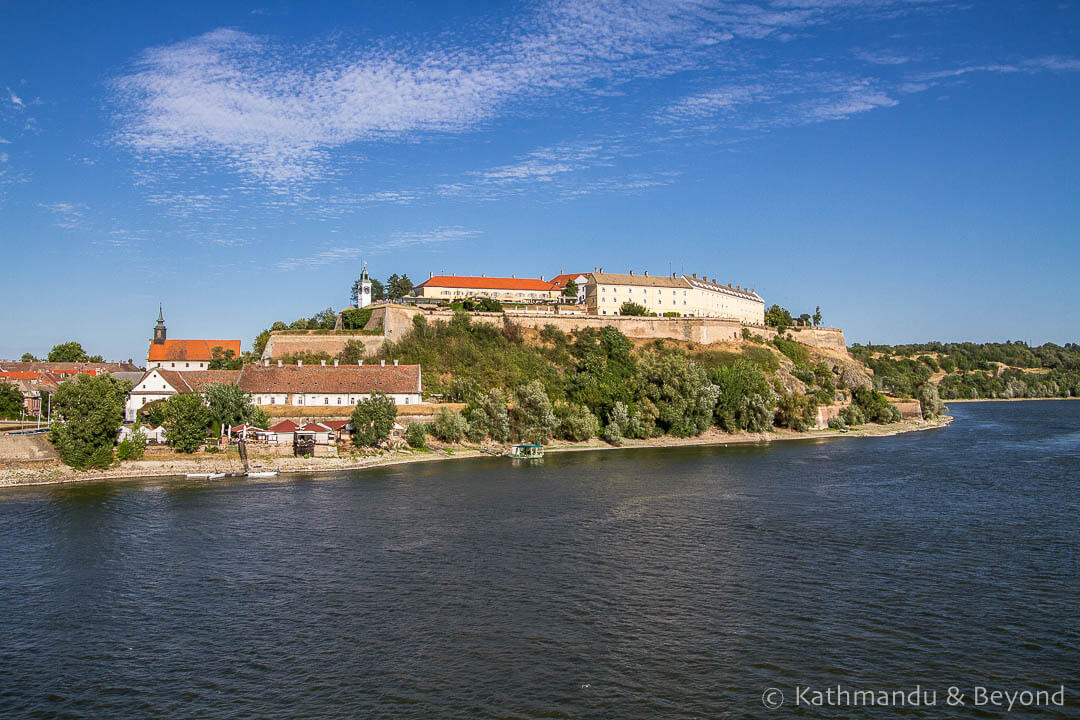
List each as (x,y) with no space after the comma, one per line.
(189,355)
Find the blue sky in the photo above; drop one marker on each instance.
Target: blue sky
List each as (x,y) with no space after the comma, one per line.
(912,167)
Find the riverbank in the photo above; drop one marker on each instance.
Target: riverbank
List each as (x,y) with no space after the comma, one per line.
(972,400)
(174,466)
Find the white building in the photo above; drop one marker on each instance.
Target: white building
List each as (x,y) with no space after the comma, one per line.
(675,295)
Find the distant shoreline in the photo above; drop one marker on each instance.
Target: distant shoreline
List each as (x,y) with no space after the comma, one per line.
(177,468)
(973,400)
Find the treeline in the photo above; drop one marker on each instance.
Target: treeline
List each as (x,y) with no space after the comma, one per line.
(594,382)
(974,370)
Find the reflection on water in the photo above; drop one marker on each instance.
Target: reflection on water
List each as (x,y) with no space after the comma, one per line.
(631,584)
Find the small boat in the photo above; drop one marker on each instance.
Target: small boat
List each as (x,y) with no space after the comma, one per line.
(262,474)
(526,451)
(205,476)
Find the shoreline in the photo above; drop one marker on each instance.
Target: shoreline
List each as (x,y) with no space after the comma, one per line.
(971,400)
(177,468)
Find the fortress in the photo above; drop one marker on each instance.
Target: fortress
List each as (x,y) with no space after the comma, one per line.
(396,320)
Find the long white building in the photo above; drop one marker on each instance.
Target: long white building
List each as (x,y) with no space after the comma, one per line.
(674,295)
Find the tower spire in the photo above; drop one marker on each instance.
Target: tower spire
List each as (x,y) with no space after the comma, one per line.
(159,329)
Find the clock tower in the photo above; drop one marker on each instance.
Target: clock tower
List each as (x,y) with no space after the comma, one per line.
(363,294)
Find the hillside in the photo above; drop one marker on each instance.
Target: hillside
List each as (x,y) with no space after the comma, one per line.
(973,370)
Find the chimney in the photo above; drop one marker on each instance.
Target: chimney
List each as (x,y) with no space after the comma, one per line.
(335,362)
(483,274)
(541,278)
(601,269)
(395,363)
(299,363)
(382,363)
(646,273)
(279,363)
(695,275)
(513,276)
(631,272)
(323,363)
(430,275)
(674,275)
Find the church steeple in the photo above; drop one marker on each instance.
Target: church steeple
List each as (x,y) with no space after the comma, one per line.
(159,329)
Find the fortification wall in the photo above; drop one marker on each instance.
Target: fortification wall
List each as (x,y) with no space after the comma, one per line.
(397,321)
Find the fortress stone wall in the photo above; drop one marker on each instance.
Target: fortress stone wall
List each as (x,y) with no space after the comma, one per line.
(397,320)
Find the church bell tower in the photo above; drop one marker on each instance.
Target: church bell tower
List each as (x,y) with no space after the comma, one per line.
(159,329)
(363,296)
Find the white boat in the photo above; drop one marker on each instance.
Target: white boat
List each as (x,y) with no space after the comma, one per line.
(262,474)
(205,476)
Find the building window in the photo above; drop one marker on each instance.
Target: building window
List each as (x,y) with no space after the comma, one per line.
(326,401)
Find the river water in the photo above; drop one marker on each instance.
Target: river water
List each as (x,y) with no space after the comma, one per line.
(633,584)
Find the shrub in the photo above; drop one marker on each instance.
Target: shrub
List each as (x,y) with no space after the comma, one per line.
(416,435)
(795,351)
(679,390)
(633,309)
(373,420)
(837,423)
(576,422)
(356,318)
(744,399)
(618,420)
(555,336)
(795,411)
(449,426)
(489,305)
(852,415)
(930,401)
(132,447)
(874,406)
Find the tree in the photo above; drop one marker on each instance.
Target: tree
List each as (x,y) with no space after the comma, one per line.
(398,287)
(633,308)
(488,416)
(795,411)
(373,420)
(817,316)
(416,435)
(68,352)
(28,357)
(187,420)
(11,400)
(449,426)
(228,405)
(91,410)
(576,422)
(352,353)
(571,290)
(745,401)
(532,419)
(778,318)
(680,391)
(489,305)
(259,345)
(618,420)
(222,359)
(930,401)
(133,447)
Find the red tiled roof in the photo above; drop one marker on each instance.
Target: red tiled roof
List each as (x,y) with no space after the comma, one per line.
(69,367)
(328,379)
(336,424)
(196,350)
(315,427)
(486,283)
(559,281)
(285,426)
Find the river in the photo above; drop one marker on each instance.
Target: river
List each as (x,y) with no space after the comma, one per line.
(645,583)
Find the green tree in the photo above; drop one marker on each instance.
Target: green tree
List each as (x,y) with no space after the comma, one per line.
(489,305)
(11,400)
(778,318)
(416,435)
(373,420)
(68,352)
(618,421)
(571,290)
(680,391)
(222,359)
(28,357)
(532,419)
(817,316)
(153,413)
(132,447)
(228,405)
(795,411)
(259,345)
(398,286)
(488,416)
(633,308)
(930,402)
(187,420)
(874,406)
(745,401)
(352,353)
(90,411)
(576,422)
(449,426)
(356,318)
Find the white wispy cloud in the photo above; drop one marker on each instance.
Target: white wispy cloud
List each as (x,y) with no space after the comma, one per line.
(882,58)
(15,99)
(67,215)
(277,113)
(397,241)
